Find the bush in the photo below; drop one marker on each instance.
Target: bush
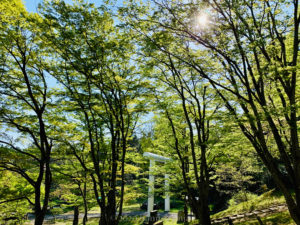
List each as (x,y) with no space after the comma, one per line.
(241,196)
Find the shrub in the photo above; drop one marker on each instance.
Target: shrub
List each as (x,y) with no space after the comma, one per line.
(241,196)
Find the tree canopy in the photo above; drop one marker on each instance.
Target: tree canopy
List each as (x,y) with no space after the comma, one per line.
(87,88)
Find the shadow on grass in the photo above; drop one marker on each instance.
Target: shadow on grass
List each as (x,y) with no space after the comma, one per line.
(135,220)
(275,219)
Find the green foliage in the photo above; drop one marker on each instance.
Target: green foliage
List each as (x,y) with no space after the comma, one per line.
(237,165)
(25,106)
(76,81)
(102,95)
(14,192)
(263,201)
(240,197)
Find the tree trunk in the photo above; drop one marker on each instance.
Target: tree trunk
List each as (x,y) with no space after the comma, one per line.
(204,215)
(39,217)
(39,211)
(76,215)
(201,210)
(259,220)
(296,215)
(294,212)
(108,215)
(103,216)
(293,205)
(85,218)
(186,213)
(229,221)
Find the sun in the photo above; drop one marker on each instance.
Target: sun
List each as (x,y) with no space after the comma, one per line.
(202,20)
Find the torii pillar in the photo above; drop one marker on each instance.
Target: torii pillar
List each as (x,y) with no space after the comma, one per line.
(154,157)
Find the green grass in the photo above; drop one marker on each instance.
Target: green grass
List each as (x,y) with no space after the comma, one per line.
(126,208)
(260,202)
(134,221)
(95,221)
(169,221)
(176,205)
(132,207)
(274,219)
(95,209)
(172,210)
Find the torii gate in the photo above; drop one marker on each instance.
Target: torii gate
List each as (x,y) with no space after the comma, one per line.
(154,157)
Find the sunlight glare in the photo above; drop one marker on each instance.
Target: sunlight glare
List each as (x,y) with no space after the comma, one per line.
(202,20)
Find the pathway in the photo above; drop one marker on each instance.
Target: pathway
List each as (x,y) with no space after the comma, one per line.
(236,218)
(97,215)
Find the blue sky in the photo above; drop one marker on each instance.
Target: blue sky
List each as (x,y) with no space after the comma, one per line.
(32,5)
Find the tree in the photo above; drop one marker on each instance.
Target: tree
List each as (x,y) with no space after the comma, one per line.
(103,87)
(237,167)
(189,107)
(16,197)
(251,48)
(73,184)
(136,175)
(25,104)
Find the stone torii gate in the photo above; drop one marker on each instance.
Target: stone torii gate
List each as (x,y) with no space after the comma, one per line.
(154,157)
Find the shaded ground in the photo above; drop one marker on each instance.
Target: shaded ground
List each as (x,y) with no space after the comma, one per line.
(269,206)
(97,215)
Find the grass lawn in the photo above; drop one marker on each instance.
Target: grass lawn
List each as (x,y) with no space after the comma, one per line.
(126,208)
(274,219)
(95,209)
(132,207)
(260,202)
(127,221)
(172,210)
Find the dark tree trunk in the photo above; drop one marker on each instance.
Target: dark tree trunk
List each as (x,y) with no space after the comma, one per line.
(294,211)
(229,221)
(39,218)
(76,215)
(102,219)
(201,210)
(204,211)
(186,213)
(108,217)
(83,194)
(40,211)
(85,218)
(259,220)
(39,214)
(204,215)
